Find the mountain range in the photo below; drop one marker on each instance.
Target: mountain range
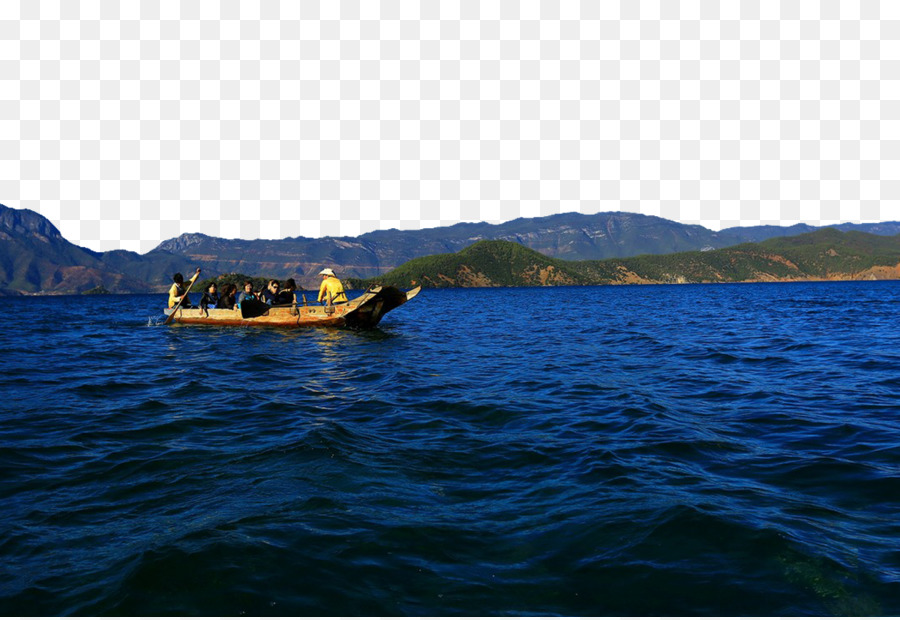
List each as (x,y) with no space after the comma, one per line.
(35,258)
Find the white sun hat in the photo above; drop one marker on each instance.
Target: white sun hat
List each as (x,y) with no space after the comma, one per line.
(326,272)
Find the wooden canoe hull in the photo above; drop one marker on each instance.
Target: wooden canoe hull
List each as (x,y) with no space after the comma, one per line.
(364,311)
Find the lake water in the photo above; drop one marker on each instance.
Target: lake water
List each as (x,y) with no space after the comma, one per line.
(644,450)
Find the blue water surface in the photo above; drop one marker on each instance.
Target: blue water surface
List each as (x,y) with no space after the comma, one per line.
(641,450)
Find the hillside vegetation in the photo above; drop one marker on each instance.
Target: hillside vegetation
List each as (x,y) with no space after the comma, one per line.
(826,254)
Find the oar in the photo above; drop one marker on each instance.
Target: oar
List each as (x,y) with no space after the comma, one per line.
(178,305)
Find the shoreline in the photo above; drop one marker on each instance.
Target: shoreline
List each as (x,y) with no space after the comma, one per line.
(14,294)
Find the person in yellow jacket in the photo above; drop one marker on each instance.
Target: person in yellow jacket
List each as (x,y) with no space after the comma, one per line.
(177,290)
(331,286)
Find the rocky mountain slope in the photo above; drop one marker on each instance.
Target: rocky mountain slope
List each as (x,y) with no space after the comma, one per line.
(34,257)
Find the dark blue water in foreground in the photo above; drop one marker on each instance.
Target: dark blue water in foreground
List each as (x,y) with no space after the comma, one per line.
(657,450)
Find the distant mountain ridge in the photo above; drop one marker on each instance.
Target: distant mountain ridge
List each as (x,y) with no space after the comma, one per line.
(826,254)
(35,258)
(570,236)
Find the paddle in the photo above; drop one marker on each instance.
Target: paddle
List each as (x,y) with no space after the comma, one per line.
(183,297)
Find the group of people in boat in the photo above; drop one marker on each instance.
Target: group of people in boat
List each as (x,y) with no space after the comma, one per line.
(331,291)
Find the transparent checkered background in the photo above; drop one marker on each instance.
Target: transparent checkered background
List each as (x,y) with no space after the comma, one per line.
(127,123)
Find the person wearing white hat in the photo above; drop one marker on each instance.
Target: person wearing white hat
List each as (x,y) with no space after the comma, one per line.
(331,290)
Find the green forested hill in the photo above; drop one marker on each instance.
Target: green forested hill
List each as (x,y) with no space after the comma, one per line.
(826,254)
(829,251)
(485,263)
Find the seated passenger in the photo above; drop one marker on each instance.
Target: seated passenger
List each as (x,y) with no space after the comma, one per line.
(331,289)
(270,295)
(178,290)
(226,299)
(247,293)
(210,297)
(288,295)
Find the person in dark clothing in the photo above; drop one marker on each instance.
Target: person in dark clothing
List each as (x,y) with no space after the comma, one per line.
(226,299)
(210,298)
(270,295)
(288,295)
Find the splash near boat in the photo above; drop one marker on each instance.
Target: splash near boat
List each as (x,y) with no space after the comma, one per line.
(362,312)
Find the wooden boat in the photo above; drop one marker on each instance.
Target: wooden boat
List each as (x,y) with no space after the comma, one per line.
(361,312)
